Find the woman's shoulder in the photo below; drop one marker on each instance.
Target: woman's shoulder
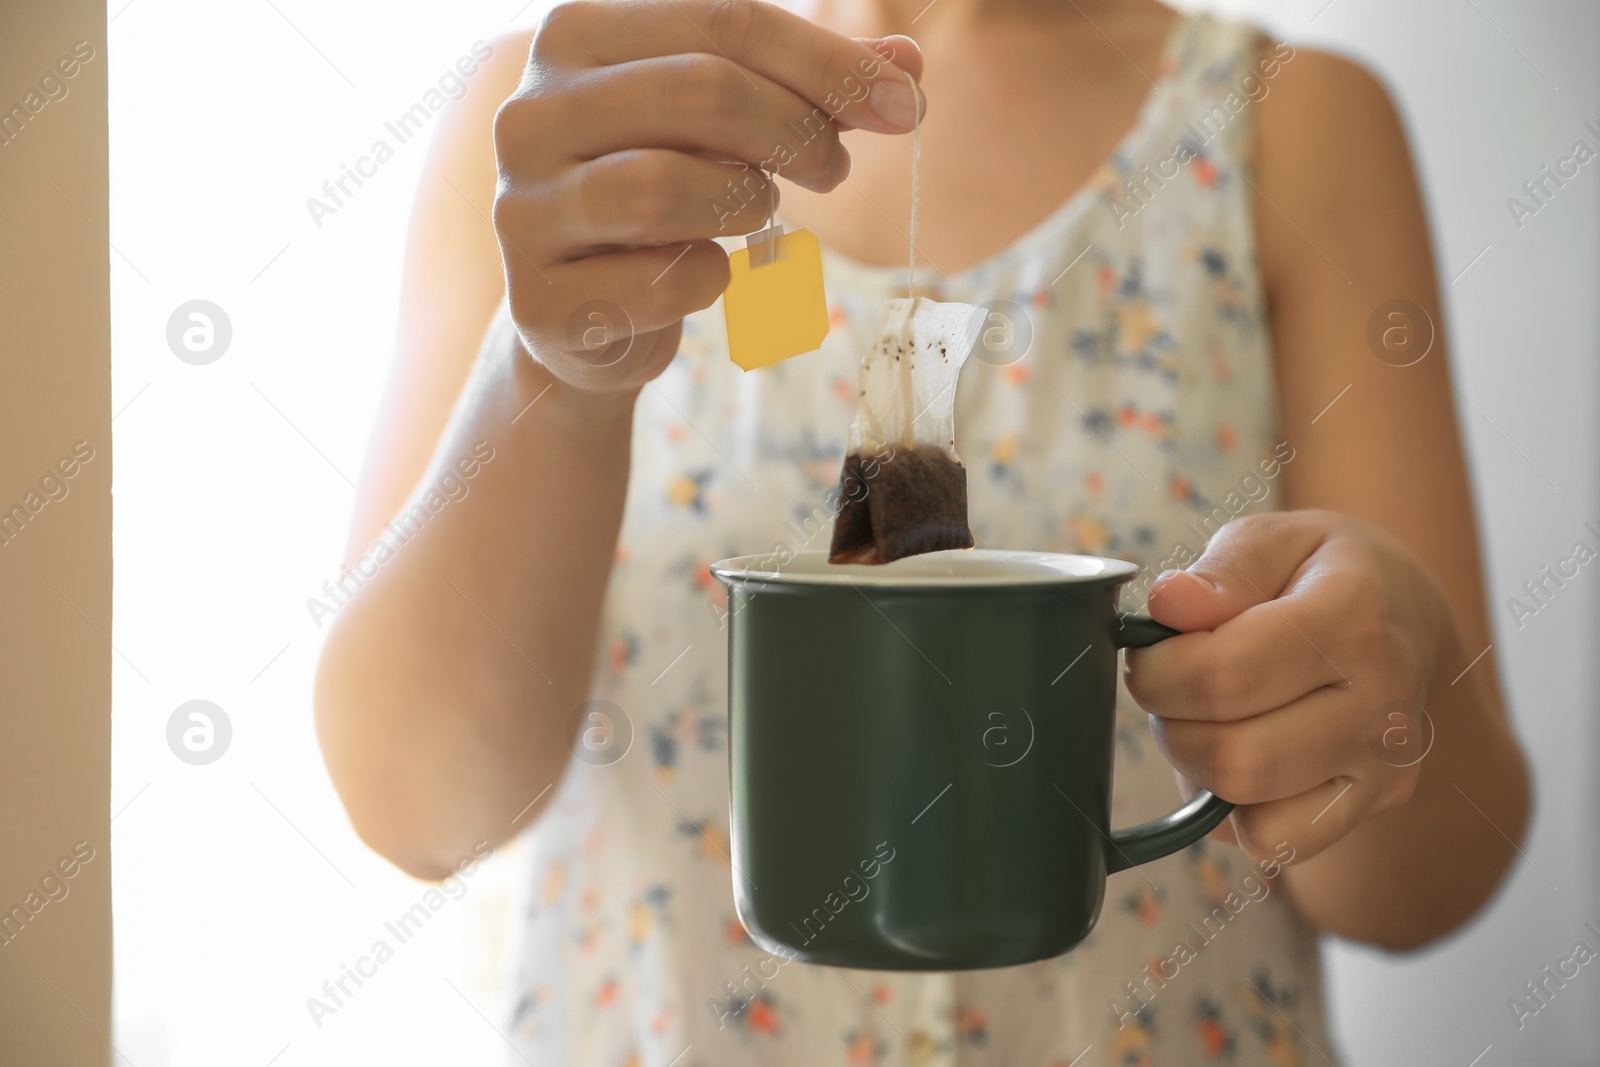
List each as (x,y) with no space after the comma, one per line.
(1245,58)
(1329,154)
(1312,84)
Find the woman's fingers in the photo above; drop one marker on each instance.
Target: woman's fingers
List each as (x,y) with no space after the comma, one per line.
(898,49)
(1264,658)
(1267,757)
(643,289)
(700,102)
(652,196)
(1297,828)
(1309,822)
(1250,561)
(1290,606)
(838,75)
(601,323)
(1249,643)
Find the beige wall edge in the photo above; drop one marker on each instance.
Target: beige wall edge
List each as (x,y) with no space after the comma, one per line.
(55,537)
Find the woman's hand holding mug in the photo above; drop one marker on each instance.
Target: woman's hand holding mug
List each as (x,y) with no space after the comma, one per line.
(1312,642)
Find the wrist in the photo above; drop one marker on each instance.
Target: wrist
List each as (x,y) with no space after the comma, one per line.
(587,412)
(597,411)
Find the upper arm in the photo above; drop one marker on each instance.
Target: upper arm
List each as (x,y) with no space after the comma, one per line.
(1342,230)
(451,284)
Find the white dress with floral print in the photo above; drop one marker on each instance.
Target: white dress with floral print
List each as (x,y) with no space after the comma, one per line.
(1140,418)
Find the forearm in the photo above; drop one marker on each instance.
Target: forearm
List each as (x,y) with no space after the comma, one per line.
(1416,872)
(446,682)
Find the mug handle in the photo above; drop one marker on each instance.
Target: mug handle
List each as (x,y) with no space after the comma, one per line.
(1181,828)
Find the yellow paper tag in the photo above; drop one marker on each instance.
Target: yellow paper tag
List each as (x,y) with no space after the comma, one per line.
(776,310)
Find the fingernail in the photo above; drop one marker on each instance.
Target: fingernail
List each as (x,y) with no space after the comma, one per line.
(894,103)
(881,45)
(1175,575)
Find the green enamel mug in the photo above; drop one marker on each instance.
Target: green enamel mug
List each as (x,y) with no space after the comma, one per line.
(921,755)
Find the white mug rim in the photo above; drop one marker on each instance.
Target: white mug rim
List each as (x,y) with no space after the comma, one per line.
(972,568)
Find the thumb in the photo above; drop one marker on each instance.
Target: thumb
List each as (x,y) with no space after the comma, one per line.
(1249,561)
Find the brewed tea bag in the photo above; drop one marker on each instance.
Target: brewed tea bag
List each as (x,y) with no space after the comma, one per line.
(903,490)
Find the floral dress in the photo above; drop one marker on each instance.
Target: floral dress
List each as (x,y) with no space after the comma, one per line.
(1129,412)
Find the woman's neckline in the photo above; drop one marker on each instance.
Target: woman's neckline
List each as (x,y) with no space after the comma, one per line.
(886,277)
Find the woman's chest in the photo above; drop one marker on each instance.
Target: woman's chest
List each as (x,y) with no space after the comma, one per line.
(1016,122)
(1090,417)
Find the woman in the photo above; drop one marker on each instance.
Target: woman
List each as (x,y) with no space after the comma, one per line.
(1224,220)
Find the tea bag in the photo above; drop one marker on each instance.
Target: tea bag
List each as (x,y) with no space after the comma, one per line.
(902,489)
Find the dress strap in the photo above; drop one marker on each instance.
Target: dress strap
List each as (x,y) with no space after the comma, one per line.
(1221,69)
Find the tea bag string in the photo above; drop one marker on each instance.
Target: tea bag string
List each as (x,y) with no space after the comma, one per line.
(908,345)
(916,152)
(772,195)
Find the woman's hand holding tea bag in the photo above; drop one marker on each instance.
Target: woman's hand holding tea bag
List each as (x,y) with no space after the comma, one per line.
(1312,644)
(639,133)
(447,683)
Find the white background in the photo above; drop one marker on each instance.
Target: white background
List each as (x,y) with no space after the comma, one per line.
(239,886)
